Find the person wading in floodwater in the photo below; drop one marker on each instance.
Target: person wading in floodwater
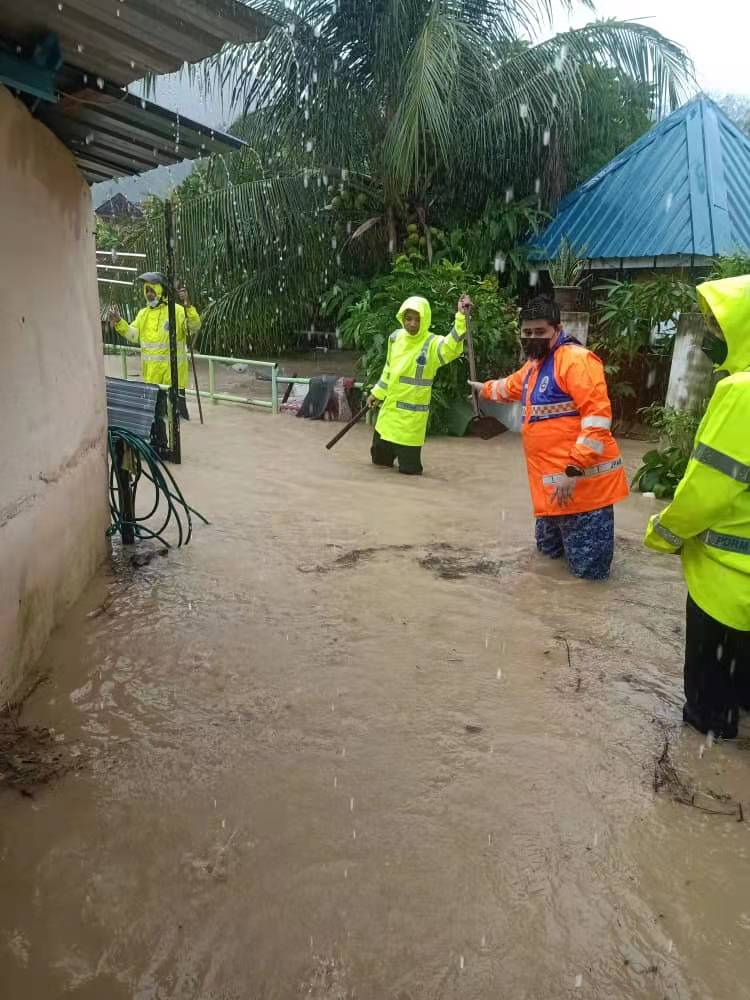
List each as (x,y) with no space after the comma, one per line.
(708,523)
(404,390)
(150,329)
(574,465)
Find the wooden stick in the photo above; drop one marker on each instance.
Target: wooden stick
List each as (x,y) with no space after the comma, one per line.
(195,379)
(345,430)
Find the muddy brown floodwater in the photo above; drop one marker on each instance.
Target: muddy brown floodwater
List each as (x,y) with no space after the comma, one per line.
(359,741)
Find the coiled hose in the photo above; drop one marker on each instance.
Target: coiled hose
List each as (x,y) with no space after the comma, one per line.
(169,506)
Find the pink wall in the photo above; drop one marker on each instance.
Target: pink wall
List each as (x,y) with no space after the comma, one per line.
(53,501)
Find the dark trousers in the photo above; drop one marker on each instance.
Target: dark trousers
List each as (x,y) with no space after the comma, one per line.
(717,673)
(385,452)
(586,540)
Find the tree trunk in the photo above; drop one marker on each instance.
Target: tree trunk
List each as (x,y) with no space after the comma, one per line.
(422,216)
(390,219)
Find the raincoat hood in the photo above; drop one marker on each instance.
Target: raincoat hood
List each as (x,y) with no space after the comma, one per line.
(421,306)
(158,289)
(728,300)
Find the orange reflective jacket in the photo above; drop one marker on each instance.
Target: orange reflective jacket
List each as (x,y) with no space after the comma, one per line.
(567,420)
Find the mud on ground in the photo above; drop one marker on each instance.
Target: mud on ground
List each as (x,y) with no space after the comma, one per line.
(360,741)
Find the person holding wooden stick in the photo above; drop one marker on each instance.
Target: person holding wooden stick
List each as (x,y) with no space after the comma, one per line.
(403,392)
(150,329)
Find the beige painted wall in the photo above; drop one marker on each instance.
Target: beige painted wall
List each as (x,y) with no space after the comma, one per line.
(53,501)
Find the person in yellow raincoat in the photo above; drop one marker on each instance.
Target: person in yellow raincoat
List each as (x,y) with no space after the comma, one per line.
(404,390)
(708,523)
(151,330)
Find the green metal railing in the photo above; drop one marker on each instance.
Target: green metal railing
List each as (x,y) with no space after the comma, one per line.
(212,359)
(225,397)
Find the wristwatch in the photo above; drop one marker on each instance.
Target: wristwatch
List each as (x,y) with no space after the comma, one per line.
(573,471)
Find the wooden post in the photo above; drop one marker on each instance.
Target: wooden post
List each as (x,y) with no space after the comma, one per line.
(127,504)
(174,388)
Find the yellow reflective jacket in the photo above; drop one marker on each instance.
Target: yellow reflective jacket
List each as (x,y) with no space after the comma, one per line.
(708,522)
(151,330)
(411,365)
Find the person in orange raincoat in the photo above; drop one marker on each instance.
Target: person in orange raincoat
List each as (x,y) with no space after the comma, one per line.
(574,465)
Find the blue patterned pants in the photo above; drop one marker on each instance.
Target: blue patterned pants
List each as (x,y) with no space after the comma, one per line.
(586,540)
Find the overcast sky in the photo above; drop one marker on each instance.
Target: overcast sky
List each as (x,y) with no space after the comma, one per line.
(716,34)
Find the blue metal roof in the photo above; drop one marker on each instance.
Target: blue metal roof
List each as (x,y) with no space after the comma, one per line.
(683,189)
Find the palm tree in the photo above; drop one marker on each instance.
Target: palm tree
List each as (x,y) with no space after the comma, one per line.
(414,96)
(420,108)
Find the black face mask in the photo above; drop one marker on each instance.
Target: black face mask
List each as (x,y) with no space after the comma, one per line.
(535,348)
(715,348)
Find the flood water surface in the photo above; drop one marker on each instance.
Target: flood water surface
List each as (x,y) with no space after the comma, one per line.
(359,741)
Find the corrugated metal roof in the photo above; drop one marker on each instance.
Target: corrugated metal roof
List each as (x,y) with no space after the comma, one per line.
(131,405)
(682,190)
(108,44)
(124,40)
(113,134)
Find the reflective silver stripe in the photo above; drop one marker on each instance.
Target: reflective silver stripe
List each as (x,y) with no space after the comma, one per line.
(727,543)
(381,384)
(458,337)
(156,345)
(668,535)
(498,391)
(424,352)
(604,422)
(413,407)
(161,359)
(440,354)
(592,443)
(722,463)
(593,470)
(407,380)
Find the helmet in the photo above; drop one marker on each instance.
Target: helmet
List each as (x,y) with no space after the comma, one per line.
(152,278)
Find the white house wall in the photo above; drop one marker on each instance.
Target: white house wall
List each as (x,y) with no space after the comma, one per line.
(53,500)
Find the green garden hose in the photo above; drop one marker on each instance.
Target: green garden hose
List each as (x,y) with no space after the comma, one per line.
(169,508)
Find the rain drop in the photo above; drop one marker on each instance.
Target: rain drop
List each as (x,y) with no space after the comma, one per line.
(508,195)
(461,962)
(533,278)
(547,136)
(60,7)
(499,673)
(579,982)
(523,110)
(351,805)
(500,263)
(668,202)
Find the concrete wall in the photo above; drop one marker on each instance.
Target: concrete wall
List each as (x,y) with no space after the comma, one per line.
(53,501)
(691,374)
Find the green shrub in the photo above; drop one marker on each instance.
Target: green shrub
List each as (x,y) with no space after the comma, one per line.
(366,316)
(664,467)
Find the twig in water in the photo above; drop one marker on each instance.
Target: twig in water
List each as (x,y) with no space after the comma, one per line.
(579,679)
